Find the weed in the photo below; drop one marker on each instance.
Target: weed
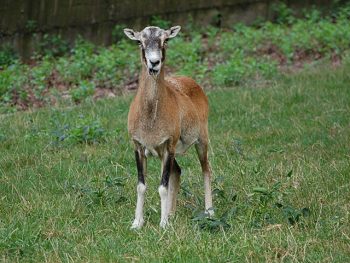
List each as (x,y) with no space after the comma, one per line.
(240,68)
(84,90)
(7,56)
(186,57)
(83,131)
(12,81)
(39,77)
(283,14)
(52,45)
(209,223)
(101,192)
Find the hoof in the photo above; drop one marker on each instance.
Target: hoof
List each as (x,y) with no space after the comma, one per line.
(164,223)
(210,212)
(137,224)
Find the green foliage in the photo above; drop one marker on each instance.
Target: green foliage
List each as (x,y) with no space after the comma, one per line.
(101,192)
(115,65)
(283,14)
(212,56)
(106,67)
(118,33)
(84,130)
(39,76)
(79,65)
(212,32)
(159,22)
(187,57)
(344,12)
(7,56)
(13,79)
(240,68)
(269,206)
(84,90)
(212,224)
(52,45)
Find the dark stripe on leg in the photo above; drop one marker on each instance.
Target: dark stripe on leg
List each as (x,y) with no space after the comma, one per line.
(177,168)
(166,170)
(141,178)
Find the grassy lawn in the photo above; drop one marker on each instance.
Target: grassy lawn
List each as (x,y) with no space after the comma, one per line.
(281,163)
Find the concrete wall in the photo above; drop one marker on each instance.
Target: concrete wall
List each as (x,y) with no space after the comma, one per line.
(22,22)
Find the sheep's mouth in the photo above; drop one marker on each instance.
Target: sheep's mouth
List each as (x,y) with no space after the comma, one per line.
(153,71)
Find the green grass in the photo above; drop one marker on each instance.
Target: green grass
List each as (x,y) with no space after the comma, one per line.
(281,163)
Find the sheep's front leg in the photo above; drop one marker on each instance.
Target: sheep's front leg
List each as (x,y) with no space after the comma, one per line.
(141,163)
(167,166)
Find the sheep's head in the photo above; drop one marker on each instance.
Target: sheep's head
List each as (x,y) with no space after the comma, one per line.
(152,41)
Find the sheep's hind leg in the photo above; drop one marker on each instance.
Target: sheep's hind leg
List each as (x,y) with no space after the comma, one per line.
(202,151)
(174,187)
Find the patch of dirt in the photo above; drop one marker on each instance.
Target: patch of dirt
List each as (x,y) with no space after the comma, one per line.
(299,59)
(132,84)
(103,93)
(54,80)
(57,89)
(274,53)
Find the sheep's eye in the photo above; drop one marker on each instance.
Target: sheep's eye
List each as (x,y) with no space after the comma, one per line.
(139,43)
(165,42)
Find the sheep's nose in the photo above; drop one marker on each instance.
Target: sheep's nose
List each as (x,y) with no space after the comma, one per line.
(155,63)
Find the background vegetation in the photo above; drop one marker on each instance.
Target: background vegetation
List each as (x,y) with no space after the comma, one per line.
(249,55)
(280,150)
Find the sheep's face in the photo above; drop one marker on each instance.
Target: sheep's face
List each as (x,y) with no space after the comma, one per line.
(152,41)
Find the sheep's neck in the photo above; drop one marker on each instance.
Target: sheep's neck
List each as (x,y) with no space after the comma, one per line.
(151,91)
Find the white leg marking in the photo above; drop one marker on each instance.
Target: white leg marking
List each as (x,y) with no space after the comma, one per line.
(163,193)
(138,222)
(208,197)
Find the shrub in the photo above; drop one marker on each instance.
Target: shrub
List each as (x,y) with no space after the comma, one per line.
(79,65)
(13,79)
(118,33)
(7,56)
(187,57)
(208,54)
(52,45)
(158,21)
(239,68)
(282,13)
(83,91)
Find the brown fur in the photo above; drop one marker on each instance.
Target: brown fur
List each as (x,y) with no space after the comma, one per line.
(182,108)
(166,117)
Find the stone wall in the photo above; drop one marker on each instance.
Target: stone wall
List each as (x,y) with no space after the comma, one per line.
(22,22)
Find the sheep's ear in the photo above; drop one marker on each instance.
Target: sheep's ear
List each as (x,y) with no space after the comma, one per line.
(172,32)
(132,34)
